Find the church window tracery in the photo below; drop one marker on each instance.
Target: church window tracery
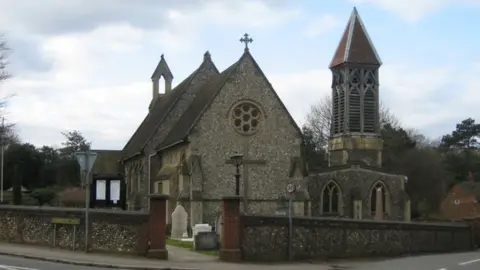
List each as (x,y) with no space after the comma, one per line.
(246,118)
(331,198)
(373,198)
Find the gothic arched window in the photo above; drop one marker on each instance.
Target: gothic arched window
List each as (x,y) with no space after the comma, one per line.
(373,198)
(369,115)
(331,198)
(341,110)
(335,112)
(354,111)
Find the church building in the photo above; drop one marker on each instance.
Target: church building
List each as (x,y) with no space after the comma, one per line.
(184,145)
(354,186)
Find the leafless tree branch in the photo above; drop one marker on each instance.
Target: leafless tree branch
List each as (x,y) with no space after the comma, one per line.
(4,53)
(319,119)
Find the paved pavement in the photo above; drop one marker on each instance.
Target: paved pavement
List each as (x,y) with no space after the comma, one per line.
(179,259)
(16,263)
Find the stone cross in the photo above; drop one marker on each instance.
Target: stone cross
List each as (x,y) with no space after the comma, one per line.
(379,205)
(246,162)
(179,222)
(246,39)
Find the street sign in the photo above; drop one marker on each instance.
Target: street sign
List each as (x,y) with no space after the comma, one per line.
(291,188)
(86,161)
(82,160)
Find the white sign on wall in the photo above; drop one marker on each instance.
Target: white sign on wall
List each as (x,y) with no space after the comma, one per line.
(101,189)
(115,190)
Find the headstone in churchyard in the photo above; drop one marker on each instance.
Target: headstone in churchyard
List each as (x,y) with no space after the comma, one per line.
(201,228)
(179,222)
(206,241)
(218,224)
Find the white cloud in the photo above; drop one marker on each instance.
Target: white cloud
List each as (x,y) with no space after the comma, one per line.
(90,88)
(321,25)
(409,11)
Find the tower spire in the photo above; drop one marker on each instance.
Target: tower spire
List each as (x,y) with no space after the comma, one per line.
(355,132)
(355,46)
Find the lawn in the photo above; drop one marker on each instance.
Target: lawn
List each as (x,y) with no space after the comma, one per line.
(189,245)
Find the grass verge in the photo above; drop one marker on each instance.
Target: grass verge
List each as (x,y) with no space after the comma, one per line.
(189,245)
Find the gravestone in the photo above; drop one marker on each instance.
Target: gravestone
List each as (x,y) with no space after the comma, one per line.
(218,224)
(206,241)
(201,228)
(179,222)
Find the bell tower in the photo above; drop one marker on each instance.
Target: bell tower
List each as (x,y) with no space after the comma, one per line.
(162,70)
(355,131)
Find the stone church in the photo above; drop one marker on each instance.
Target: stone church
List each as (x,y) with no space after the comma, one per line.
(349,188)
(183,146)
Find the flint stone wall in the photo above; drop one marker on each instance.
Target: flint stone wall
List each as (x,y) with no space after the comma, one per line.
(265,238)
(110,230)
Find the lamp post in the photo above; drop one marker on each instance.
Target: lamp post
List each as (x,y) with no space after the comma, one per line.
(237,160)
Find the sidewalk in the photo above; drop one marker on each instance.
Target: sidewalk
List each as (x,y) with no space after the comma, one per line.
(179,259)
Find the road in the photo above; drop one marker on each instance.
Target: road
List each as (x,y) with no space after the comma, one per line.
(16,263)
(457,261)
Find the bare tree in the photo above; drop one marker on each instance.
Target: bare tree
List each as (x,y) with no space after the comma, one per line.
(319,119)
(4,52)
(7,131)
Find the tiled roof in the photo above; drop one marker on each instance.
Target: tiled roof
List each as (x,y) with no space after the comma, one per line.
(355,45)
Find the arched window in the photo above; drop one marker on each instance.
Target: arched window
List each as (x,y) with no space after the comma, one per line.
(373,198)
(354,110)
(369,115)
(341,110)
(335,112)
(331,199)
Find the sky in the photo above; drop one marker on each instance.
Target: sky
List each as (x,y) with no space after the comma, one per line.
(86,64)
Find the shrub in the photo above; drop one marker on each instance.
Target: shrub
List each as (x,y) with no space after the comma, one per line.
(43,195)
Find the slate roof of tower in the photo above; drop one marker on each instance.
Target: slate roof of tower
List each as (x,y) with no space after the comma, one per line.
(355,45)
(161,107)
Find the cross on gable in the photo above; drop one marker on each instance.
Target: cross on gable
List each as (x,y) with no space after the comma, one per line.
(246,39)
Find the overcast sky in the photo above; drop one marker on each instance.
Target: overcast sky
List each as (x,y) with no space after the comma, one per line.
(86,64)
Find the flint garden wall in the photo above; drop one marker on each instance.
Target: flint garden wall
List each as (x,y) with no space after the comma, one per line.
(266,238)
(114,231)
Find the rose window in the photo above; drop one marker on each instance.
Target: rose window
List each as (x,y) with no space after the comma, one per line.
(246,118)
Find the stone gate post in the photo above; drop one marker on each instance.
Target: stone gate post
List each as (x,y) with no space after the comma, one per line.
(157,227)
(231,231)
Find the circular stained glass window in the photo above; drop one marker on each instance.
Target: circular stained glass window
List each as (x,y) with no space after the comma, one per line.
(246,118)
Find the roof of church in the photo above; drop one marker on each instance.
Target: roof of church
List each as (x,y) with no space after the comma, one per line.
(202,101)
(161,107)
(203,98)
(355,45)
